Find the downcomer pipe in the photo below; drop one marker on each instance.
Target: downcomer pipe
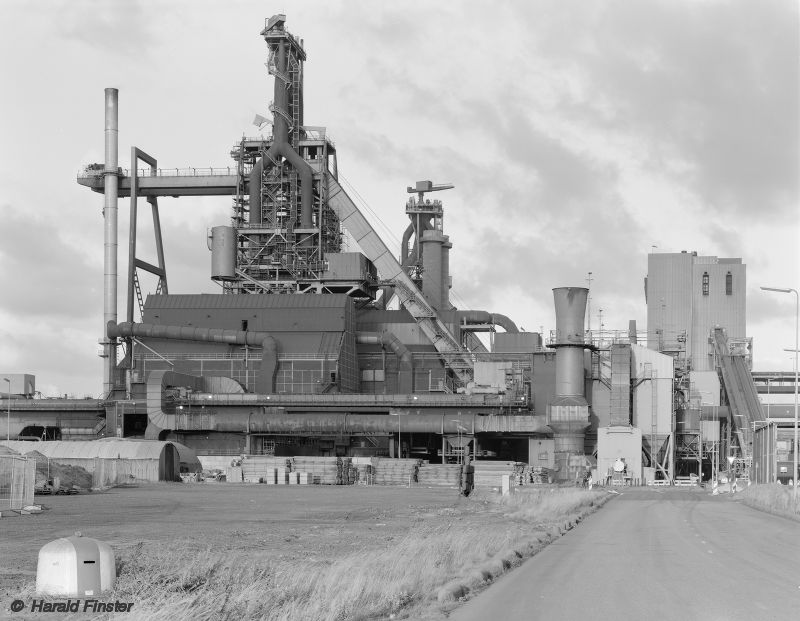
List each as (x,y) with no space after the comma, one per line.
(477,316)
(281,147)
(111,192)
(405,376)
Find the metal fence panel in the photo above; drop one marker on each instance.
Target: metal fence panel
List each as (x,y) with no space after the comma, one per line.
(17,478)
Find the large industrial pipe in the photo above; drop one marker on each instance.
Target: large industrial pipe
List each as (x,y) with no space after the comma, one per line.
(405,375)
(568,412)
(476,316)
(404,244)
(570,304)
(184,333)
(111,193)
(265,383)
(281,148)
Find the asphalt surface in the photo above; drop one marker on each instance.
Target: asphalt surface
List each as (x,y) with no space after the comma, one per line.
(656,554)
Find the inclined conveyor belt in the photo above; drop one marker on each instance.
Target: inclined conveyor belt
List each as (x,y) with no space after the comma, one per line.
(740,388)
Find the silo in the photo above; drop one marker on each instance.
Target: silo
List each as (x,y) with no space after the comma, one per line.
(223,253)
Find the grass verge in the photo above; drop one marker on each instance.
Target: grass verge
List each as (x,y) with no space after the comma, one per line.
(443,560)
(772,498)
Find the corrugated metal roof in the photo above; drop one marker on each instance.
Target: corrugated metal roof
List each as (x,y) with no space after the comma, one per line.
(209,300)
(109,448)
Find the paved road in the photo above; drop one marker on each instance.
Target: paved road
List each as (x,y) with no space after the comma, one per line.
(657,554)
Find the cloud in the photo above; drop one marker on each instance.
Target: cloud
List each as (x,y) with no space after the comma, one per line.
(711,85)
(119,28)
(46,276)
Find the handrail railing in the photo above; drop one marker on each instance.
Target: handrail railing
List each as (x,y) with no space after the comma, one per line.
(216,171)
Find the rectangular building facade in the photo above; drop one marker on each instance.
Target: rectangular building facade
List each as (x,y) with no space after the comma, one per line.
(687,296)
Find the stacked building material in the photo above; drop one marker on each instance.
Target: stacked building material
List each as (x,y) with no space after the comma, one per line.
(261,467)
(234,474)
(326,470)
(389,471)
(489,473)
(282,476)
(439,475)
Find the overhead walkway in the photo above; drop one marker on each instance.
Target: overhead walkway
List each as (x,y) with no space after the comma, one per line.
(741,391)
(167,181)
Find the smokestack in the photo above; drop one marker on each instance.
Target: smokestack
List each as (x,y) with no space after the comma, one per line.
(110,234)
(568,413)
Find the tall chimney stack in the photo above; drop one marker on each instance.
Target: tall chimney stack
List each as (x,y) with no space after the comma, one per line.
(568,412)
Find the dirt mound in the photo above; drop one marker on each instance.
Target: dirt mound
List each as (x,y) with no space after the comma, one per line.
(68,476)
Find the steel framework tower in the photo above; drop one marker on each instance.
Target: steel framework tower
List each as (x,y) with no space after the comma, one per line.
(284,227)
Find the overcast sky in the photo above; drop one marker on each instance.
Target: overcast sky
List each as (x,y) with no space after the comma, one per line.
(578,135)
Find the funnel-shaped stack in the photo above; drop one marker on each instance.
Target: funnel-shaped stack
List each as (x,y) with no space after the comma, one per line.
(568,413)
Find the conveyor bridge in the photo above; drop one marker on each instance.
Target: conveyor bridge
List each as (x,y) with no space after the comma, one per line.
(740,389)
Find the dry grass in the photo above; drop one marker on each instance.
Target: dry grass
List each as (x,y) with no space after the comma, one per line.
(773,498)
(441,561)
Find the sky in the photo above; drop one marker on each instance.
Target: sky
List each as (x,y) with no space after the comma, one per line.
(580,136)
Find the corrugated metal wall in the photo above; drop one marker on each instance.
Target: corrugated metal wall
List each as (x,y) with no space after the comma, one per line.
(693,294)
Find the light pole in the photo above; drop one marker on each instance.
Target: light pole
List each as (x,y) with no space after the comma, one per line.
(399,443)
(8,414)
(796,369)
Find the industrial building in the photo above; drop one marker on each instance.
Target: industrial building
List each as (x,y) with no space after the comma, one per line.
(309,350)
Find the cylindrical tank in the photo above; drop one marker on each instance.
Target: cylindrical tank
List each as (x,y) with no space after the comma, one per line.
(223,253)
(432,242)
(446,273)
(569,372)
(687,419)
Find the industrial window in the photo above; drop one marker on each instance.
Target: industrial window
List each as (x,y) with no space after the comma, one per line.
(705,283)
(728,284)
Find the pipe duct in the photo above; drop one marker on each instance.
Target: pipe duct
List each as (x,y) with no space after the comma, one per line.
(275,420)
(280,147)
(387,340)
(265,382)
(484,317)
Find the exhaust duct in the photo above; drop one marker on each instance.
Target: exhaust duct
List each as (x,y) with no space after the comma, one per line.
(568,412)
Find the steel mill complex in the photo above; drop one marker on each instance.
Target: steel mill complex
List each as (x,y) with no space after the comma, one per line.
(311,351)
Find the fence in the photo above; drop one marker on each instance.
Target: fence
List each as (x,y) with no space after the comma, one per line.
(17,478)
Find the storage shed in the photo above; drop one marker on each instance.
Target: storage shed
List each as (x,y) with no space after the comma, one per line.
(111,460)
